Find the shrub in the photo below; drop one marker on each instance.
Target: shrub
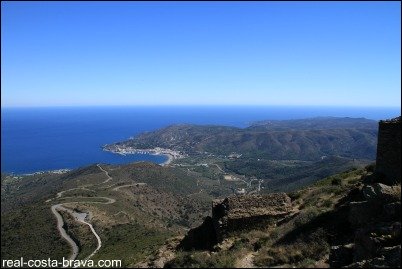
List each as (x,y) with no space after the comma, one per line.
(327,203)
(224,259)
(261,242)
(370,167)
(294,195)
(308,248)
(336,181)
(305,216)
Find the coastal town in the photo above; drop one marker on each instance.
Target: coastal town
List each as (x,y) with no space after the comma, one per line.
(125,150)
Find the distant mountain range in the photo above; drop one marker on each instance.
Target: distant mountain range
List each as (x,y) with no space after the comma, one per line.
(317,123)
(302,139)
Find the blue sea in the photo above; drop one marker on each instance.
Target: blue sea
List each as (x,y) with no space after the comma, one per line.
(41,139)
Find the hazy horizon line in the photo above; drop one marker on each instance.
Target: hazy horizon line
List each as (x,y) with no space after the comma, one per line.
(200,105)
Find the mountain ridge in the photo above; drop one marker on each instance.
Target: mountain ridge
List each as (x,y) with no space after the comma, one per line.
(303,141)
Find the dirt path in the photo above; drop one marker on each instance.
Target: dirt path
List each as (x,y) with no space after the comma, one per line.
(220,169)
(191,194)
(106,172)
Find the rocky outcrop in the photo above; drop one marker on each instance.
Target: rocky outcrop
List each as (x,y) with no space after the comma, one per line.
(380,192)
(390,257)
(377,230)
(389,151)
(381,202)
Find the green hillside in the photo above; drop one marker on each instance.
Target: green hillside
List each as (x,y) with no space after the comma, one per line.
(308,139)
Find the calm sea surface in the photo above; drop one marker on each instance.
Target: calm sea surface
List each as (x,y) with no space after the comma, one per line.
(40,139)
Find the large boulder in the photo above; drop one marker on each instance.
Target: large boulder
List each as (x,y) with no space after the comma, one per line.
(392,255)
(371,240)
(392,211)
(382,193)
(363,212)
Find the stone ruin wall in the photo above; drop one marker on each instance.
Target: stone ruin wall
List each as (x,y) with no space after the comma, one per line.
(239,213)
(389,150)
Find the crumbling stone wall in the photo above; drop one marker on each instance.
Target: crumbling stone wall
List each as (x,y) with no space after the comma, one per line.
(238,213)
(201,237)
(389,151)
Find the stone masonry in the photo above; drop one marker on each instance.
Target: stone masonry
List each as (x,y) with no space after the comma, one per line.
(389,151)
(237,213)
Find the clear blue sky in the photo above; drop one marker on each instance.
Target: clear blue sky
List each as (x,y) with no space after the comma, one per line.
(174,53)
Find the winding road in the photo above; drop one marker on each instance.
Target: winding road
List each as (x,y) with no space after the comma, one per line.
(63,232)
(80,217)
(129,185)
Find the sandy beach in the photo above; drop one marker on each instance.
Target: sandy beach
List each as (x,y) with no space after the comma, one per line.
(170,158)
